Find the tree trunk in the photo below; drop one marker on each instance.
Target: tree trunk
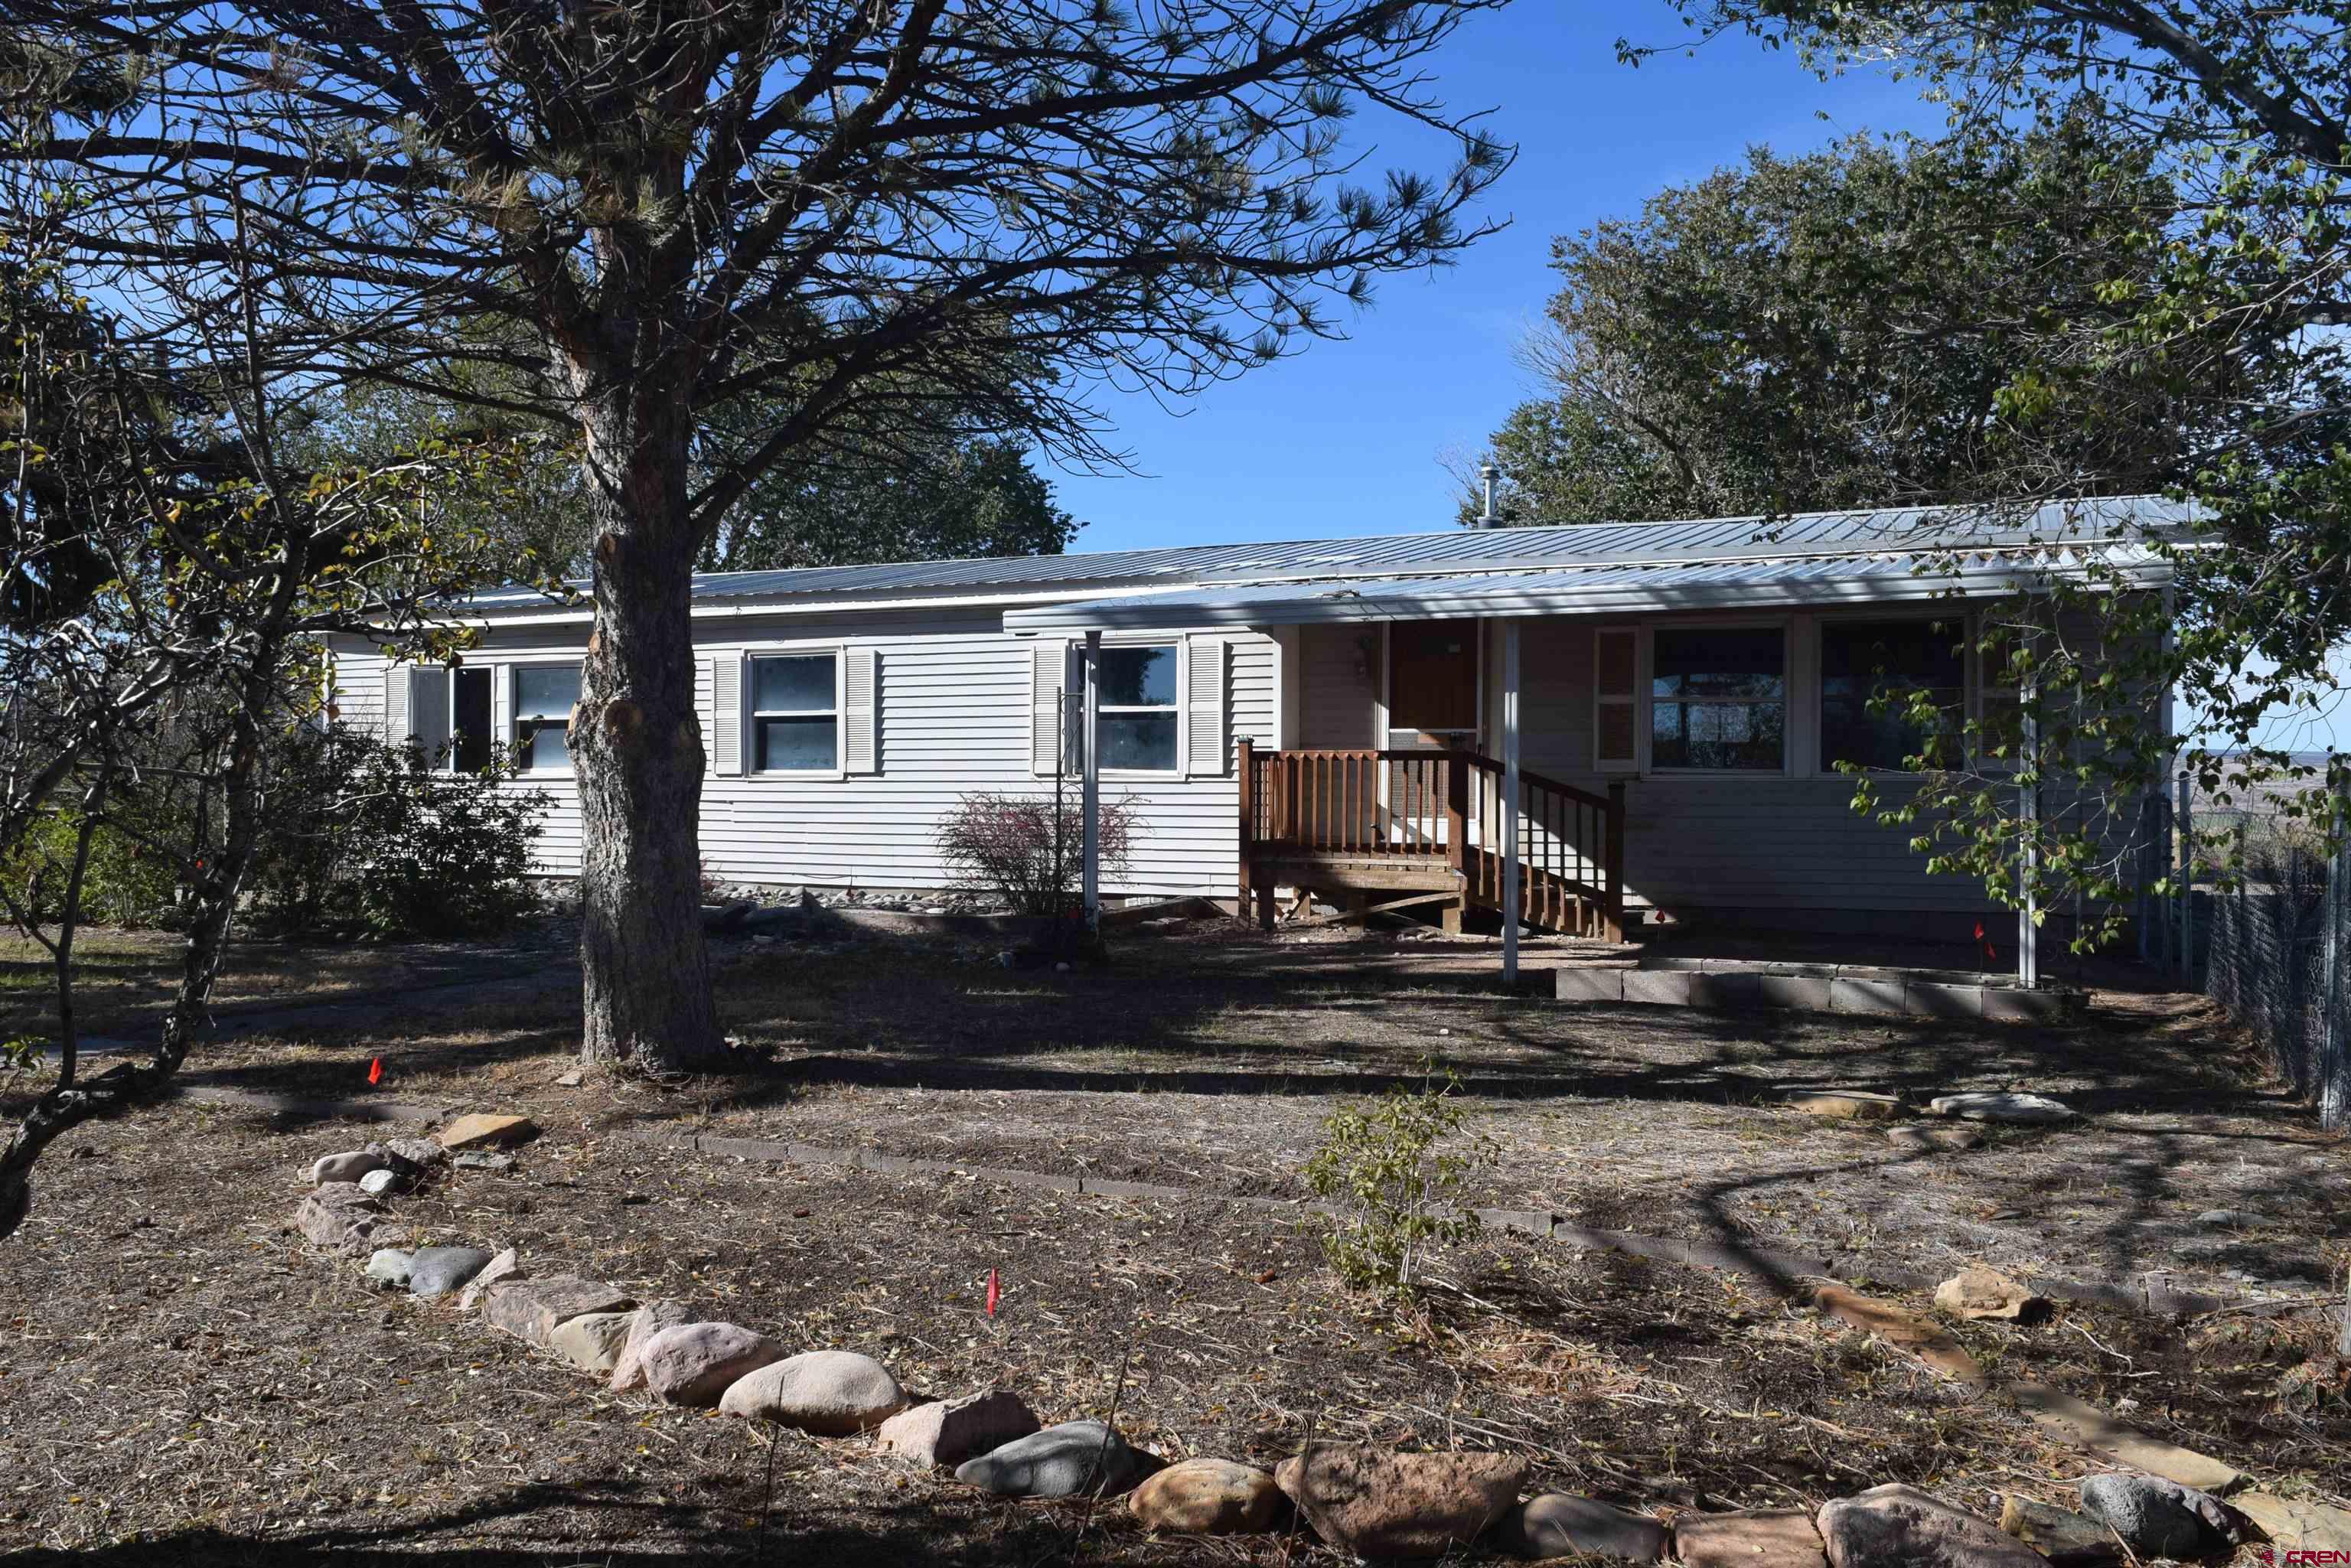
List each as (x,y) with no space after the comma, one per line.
(637,749)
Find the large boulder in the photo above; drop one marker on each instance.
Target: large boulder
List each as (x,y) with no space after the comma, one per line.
(1074,1458)
(1756,1538)
(1376,1503)
(949,1431)
(2157,1518)
(628,1372)
(1206,1496)
(437,1270)
(1559,1524)
(1899,1526)
(695,1364)
(592,1343)
(531,1309)
(828,1393)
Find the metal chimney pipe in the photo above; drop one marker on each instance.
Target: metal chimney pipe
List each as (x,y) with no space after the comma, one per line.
(1489,518)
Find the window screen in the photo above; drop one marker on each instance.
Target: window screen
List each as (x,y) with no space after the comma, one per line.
(1871,671)
(795,715)
(1136,716)
(1719,698)
(544,697)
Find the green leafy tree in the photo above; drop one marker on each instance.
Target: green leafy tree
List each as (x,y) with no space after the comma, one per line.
(2226,297)
(1838,329)
(944,499)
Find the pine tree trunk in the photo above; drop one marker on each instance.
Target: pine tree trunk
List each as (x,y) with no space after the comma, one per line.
(637,750)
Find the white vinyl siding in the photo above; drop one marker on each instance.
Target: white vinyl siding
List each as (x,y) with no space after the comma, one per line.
(951,713)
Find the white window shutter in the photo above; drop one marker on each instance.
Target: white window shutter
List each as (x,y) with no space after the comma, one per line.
(727,714)
(857,694)
(395,703)
(1204,751)
(705,676)
(1615,699)
(1048,718)
(502,705)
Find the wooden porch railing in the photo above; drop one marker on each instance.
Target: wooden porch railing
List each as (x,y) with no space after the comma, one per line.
(1442,810)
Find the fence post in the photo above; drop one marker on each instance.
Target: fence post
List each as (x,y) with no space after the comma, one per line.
(2182,823)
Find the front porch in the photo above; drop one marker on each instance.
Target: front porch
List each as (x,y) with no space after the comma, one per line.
(1443,831)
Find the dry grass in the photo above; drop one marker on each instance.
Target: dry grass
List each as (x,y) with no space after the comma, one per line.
(185,1383)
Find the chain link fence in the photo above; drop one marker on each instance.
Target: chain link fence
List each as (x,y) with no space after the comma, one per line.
(2278,954)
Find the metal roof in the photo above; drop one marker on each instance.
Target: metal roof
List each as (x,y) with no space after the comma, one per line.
(1875,579)
(1443,552)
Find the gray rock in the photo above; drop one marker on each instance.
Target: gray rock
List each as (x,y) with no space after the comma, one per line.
(949,1431)
(628,1372)
(2225,1218)
(2001,1106)
(506,1265)
(1901,1527)
(1941,1139)
(1558,1524)
(480,1162)
(422,1152)
(693,1364)
(2057,1533)
(352,1166)
(375,1184)
(532,1309)
(1074,1458)
(830,1393)
(592,1342)
(2157,1518)
(441,1269)
(342,1218)
(389,1267)
(1206,1496)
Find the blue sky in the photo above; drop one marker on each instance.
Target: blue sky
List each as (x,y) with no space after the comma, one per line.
(1345,437)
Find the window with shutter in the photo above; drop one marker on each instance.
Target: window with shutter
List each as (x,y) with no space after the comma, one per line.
(1615,699)
(1205,749)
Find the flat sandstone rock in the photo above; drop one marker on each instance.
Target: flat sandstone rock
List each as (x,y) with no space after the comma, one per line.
(480,1130)
(2024,1109)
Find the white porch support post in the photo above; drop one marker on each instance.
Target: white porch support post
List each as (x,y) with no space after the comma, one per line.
(1088,760)
(2028,813)
(1509,804)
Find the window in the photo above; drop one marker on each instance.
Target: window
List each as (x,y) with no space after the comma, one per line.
(1138,708)
(544,697)
(1884,664)
(1719,698)
(449,715)
(795,715)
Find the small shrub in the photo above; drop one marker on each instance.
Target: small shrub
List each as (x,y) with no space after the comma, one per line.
(385,839)
(1384,1168)
(1026,848)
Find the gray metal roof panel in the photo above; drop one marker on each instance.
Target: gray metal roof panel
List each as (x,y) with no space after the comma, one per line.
(1455,550)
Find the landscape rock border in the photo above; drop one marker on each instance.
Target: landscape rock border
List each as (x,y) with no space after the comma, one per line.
(1399,1503)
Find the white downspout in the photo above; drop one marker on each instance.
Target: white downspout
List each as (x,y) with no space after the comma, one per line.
(1509,804)
(2028,812)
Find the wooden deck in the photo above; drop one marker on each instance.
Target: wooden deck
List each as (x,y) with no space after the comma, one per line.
(1386,829)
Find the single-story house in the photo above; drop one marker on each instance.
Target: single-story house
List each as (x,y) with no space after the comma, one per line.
(1332,714)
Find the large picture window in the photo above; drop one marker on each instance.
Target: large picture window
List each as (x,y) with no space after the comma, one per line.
(1137,709)
(1719,698)
(1885,665)
(544,697)
(796,713)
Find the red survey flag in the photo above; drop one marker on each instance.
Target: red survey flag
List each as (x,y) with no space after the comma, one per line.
(994,1290)
(375,1070)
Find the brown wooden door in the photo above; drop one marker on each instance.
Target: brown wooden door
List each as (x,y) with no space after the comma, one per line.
(1433,679)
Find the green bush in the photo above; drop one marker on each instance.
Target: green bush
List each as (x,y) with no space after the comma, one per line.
(128,883)
(1395,1187)
(387,840)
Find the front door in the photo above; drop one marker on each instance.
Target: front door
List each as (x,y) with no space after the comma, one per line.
(1432,683)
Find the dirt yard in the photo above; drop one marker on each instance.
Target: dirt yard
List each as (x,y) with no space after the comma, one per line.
(184,1381)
